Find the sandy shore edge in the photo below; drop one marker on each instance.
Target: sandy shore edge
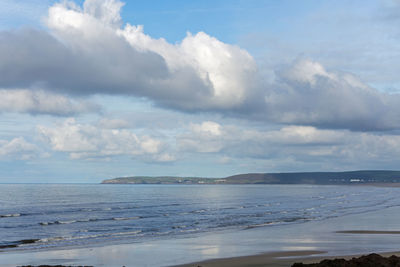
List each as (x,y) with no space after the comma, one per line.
(278,259)
(284,258)
(288,258)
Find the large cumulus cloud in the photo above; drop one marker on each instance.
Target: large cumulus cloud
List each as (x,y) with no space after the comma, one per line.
(88,50)
(88,53)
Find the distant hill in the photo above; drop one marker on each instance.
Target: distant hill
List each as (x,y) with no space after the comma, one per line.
(159,180)
(321,178)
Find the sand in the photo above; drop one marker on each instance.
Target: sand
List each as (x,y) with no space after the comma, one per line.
(342,237)
(265,259)
(278,259)
(287,258)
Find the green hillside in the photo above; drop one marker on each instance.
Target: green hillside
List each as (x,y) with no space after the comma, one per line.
(323,178)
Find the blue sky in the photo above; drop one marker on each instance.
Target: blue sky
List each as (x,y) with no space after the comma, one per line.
(100,88)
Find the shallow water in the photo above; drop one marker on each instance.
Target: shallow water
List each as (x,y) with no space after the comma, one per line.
(53,216)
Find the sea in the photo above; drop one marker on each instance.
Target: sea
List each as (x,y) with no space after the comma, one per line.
(36,217)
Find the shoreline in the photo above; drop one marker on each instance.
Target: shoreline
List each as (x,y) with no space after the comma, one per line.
(278,259)
(282,258)
(345,237)
(269,258)
(288,258)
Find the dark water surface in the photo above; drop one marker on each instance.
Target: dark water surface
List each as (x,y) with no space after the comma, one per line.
(41,216)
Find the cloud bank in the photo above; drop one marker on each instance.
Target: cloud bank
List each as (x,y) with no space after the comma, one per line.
(308,94)
(85,141)
(299,144)
(89,50)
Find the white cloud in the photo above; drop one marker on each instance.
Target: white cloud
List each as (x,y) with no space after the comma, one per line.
(89,141)
(224,77)
(92,54)
(304,135)
(226,69)
(206,137)
(210,136)
(302,144)
(306,71)
(41,102)
(89,51)
(208,128)
(310,95)
(17,148)
(107,11)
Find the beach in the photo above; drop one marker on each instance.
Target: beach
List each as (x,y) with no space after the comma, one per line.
(283,259)
(345,244)
(198,133)
(357,234)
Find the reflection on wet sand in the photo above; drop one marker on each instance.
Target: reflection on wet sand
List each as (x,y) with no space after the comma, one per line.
(278,244)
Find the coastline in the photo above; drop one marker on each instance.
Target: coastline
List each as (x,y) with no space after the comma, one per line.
(288,258)
(279,259)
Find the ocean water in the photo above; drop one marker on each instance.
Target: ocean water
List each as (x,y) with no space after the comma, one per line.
(53,216)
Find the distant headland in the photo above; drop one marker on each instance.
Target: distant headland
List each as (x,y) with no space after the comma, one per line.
(318,178)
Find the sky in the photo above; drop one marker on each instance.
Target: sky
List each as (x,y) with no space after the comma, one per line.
(98,89)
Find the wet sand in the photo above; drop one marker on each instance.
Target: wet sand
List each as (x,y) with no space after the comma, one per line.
(280,259)
(277,259)
(288,258)
(347,236)
(266,259)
